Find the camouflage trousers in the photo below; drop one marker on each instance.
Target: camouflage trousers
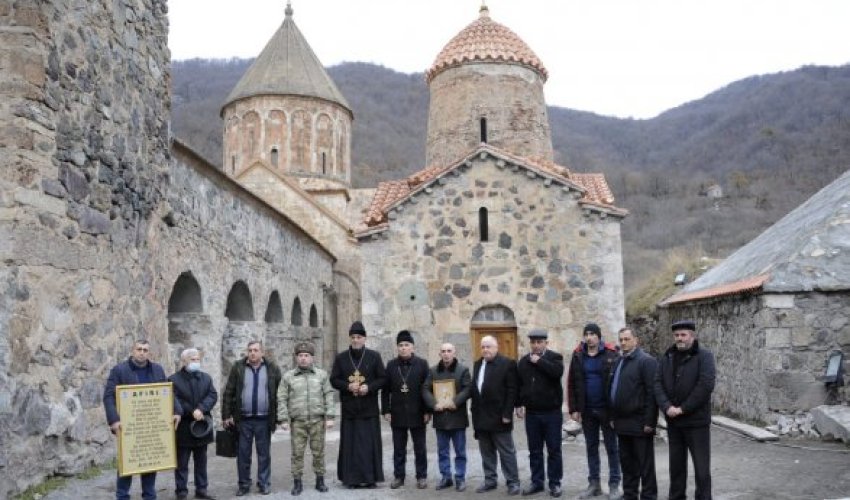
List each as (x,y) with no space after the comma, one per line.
(304,431)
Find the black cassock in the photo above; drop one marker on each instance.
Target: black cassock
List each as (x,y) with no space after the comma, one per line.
(360,461)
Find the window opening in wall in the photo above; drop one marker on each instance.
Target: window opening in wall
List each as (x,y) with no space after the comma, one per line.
(482,224)
(324,163)
(233,164)
(483,125)
(274,157)
(296,312)
(314,316)
(252,142)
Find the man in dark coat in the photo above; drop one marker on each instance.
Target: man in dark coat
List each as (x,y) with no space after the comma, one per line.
(250,403)
(590,370)
(358,374)
(450,416)
(137,369)
(197,396)
(541,395)
(404,408)
(635,415)
(683,386)
(494,394)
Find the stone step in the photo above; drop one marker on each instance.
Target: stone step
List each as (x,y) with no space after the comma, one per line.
(752,431)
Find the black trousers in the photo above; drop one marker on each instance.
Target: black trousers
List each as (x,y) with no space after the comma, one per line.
(181,473)
(637,462)
(400,451)
(697,441)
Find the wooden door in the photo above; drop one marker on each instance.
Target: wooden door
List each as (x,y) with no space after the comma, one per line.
(505,336)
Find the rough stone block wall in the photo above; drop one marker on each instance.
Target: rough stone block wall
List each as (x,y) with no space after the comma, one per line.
(97,223)
(546,261)
(771,350)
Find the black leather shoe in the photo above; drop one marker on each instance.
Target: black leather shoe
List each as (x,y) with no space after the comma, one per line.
(204,495)
(397,483)
(532,489)
(444,483)
(555,491)
(513,490)
(181,496)
(265,490)
(241,492)
(460,485)
(485,488)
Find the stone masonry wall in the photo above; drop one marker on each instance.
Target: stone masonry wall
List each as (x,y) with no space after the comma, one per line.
(770,349)
(546,261)
(97,224)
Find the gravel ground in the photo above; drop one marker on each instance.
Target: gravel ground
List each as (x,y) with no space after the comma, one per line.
(742,469)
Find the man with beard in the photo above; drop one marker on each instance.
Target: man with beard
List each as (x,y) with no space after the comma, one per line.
(683,386)
(450,417)
(541,395)
(635,415)
(404,408)
(358,374)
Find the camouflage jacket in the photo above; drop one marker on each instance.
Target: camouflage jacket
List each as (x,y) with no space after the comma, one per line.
(305,394)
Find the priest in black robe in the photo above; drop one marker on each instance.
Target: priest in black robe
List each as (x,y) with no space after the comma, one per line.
(358,374)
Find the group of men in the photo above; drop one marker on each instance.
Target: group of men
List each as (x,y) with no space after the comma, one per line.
(615,390)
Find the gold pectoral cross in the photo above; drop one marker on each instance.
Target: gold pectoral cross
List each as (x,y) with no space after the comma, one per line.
(356,378)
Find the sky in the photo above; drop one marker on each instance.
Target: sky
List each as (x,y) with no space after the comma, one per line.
(624,58)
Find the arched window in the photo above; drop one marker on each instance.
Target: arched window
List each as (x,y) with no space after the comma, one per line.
(186,295)
(483,126)
(324,163)
(296,312)
(240,306)
(273,156)
(274,311)
(314,316)
(233,164)
(483,229)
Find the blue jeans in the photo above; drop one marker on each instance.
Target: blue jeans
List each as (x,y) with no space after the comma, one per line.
(458,438)
(250,430)
(540,428)
(122,486)
(592,421)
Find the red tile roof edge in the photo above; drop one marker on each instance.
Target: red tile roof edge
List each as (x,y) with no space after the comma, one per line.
(746,285)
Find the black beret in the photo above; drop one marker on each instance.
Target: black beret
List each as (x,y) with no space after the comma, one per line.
(684,324)
(593,328)
(357,327)
(404,336)
(305,347)
(538,333)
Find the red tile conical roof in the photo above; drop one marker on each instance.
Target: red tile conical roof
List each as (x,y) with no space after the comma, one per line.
(485,40)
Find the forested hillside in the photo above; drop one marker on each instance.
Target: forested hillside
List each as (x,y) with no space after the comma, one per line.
(769,141)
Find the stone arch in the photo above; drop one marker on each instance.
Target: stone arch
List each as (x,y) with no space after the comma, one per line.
(324,143)
(231,144)
(274,309)
(185,295)
(295,317)
(240,305)
(496,320)
(314,316)
(250,135)
(302,127)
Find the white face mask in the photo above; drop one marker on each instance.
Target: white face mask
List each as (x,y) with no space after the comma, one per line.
(194,366)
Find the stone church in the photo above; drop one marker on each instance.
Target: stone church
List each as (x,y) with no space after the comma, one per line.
(112,230)
(490,237)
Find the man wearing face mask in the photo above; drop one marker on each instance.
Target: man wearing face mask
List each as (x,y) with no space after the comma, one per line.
(197,396)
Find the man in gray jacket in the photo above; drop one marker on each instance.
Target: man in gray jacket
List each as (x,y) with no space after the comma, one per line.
(450,377)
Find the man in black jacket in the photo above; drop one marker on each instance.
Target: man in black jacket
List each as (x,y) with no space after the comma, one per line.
(404,408)
(590,371)
(635,415)
(683,386)
(541,395)
(450,415)
(494,394)
(197,396)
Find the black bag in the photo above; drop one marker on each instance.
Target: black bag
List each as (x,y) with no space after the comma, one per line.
(226,442)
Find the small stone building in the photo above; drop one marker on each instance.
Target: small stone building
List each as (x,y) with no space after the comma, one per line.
(774,310)
(491,237)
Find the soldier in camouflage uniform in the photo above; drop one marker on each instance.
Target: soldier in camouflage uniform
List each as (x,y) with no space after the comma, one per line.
(306,405)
